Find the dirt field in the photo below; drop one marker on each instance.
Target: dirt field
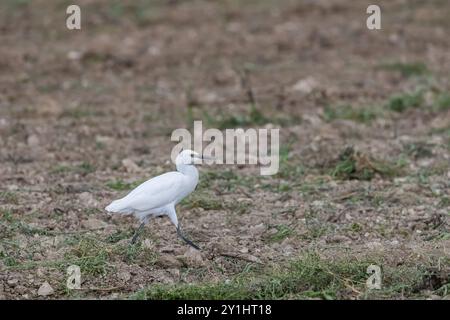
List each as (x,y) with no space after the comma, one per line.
(364,118)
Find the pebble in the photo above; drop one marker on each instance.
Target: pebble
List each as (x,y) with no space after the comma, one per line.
(130,166)
(93,223)
(193,257)
(88,199)
(124,276)
(258,229)
(306,85)
(12,282)
(33,140)
(147,244)
(45,290)
(169,261)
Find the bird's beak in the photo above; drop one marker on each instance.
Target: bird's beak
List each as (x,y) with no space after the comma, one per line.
(206,160)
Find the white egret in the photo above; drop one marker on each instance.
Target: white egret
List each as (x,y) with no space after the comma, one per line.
(159,195)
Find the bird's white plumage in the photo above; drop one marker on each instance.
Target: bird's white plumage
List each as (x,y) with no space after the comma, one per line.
(160,195)
(152,194)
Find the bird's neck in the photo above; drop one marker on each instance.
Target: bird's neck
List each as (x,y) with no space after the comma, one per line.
(188,170)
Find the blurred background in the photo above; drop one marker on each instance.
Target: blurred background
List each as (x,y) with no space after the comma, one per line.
(365,127)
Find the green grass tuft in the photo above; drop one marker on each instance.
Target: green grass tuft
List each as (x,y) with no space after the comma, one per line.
(120,185)
(9,197)
(442,102)
(283,232)
(352,164)
(254,118)
(418,150)
(206,203)
(407,69)
(91,256)
(307,277)
(347,112)
(402,102)
(82,168)
(444,202)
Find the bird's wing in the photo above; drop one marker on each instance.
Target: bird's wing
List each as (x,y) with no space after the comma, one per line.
(154,193)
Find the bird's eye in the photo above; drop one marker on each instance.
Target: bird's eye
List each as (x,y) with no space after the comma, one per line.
(192,155)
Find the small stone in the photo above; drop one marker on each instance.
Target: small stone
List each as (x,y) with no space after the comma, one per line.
(243,250)
(154,51)
(174,272)
(45,290)
(13,187)
(394,38)
(205,96)
(169,261)
(374,245)
(3,122)
(306,85)
(40,272)
(318,203)
(287,248)
(20,289)
(74,55)
(37,256)
(48,107)
(193,257)
(114,295)
(258,229)
(124,276)
(147,244)
(336,239)
(130,165)
(33,140)
(88,199)
(13,282)
(252,258)
(93,224)
(104,140)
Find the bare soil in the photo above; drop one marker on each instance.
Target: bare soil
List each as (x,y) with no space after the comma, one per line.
(86,114)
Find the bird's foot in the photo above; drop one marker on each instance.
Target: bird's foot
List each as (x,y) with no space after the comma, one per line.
(189,242)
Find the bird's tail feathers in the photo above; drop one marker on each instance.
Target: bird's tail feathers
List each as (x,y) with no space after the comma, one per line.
(117,206)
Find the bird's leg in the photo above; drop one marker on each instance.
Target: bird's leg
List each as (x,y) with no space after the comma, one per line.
(137,232)
(173,217)
(189,242)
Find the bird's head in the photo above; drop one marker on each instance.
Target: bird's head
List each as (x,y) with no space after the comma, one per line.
(189,157)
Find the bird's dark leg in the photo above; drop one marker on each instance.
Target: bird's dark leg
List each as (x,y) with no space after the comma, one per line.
(189,242)
(137,233)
